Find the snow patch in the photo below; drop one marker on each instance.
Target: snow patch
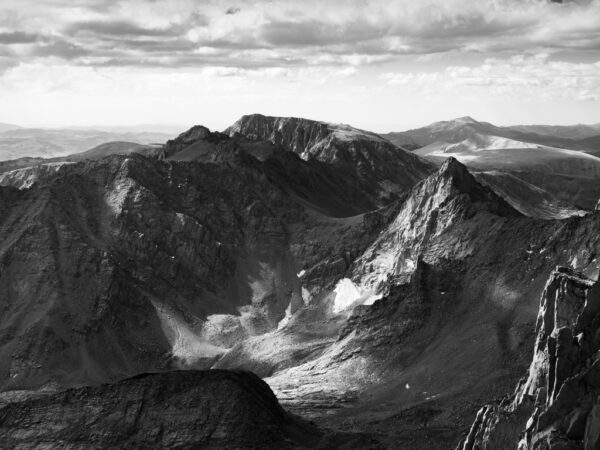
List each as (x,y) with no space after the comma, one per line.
(306,295)
(372,299)
(288,315)
(346,294)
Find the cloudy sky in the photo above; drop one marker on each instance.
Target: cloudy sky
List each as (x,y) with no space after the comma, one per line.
(381,65)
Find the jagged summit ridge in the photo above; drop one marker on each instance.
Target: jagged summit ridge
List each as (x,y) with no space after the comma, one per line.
(297,134)
(453,168)
(453,178)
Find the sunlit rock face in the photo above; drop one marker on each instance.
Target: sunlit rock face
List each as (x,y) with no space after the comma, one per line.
(556,405)
(24,178)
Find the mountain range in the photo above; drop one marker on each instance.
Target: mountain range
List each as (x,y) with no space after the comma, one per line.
(529,153)
(386,295)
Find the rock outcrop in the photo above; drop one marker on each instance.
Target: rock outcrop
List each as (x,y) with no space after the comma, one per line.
(26,177)
(187,409)
(557,406)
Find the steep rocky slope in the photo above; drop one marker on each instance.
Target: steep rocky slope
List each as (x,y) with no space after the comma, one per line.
(556,405)
(211,409)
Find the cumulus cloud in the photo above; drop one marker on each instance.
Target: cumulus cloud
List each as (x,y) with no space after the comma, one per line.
(274,52)
(18,37)
(521,76)
(313,32)
(121,28)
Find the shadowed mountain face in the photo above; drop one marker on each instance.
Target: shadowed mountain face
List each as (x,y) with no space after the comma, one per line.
(295,249)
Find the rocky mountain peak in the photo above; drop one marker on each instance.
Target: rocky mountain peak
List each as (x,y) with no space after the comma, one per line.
(454,169)
(455,174)
(197,133)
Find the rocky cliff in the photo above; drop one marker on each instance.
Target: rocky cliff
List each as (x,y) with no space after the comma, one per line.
(557,405)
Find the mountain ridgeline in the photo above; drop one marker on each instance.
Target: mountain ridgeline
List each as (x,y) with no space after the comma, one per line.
(380,293)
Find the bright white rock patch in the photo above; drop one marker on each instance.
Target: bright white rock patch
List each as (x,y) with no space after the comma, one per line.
(186,345)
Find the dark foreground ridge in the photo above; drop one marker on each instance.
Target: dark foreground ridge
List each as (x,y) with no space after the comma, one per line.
(207,409)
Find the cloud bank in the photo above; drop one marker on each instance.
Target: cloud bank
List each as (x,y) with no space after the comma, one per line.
(284,33)
(512,49)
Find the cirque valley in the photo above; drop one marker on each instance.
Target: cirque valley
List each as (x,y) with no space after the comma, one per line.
(288,282)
